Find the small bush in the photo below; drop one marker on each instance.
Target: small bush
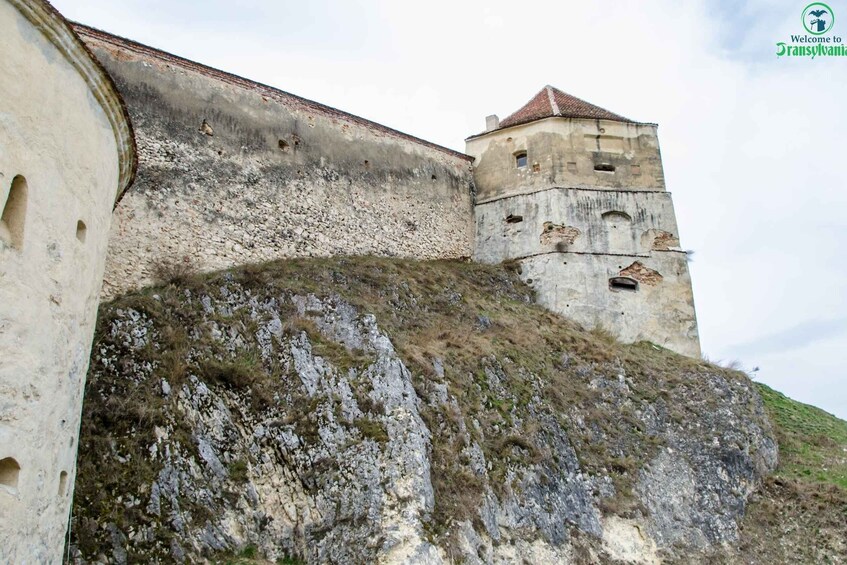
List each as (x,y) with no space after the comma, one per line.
(174,270)
(372,429)
(238,471)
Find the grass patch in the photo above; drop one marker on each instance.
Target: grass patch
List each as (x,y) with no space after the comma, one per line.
(812,443)
(372,429)
(238,471)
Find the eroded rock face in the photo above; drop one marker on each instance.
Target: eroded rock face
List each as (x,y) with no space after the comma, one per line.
(290,423)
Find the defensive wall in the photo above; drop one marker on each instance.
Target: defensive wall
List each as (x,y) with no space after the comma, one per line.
(234,172)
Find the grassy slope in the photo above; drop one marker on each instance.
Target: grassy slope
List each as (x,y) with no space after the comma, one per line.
(812,443)
(799,514)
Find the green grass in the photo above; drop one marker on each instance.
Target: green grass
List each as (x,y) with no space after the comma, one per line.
(812,443)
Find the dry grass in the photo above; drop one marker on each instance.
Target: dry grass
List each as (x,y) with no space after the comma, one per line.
(505,362)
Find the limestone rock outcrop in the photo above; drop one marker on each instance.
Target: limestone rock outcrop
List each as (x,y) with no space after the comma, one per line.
(289,418)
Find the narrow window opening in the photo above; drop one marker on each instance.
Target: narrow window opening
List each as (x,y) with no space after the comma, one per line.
(14,214)
(623,283)
(81,231)
(283,146)
(513,219)
(9,471)
(434,177)
(604,168)
(63,483)
(520,159)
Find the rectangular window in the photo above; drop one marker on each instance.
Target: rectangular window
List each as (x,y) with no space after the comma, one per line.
(520,159)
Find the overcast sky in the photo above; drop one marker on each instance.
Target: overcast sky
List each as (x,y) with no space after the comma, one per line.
(751,143)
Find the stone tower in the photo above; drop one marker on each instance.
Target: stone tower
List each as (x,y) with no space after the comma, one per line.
(66,155)
(575,196)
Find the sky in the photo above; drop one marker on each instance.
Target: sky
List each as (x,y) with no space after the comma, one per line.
(750,142)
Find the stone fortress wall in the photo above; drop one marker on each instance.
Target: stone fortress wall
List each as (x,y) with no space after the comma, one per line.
(66,153)
(586,217)
(233,172)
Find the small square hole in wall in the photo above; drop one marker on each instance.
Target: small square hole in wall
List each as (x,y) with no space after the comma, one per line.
(536,168)
(635,169)
(571,167)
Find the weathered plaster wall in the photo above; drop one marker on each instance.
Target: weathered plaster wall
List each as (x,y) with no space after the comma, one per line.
(58,150)
(269,175)
(570,242)
(564,152)
(661,310)
(575,220)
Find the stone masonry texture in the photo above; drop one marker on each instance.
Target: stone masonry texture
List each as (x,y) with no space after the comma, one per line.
(232,172)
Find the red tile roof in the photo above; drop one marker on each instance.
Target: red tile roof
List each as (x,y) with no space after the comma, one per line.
(552,102)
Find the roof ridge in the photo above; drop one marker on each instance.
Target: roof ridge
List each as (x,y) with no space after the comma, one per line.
(552,97)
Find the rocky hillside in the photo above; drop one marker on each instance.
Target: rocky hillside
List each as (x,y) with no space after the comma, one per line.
(373,410)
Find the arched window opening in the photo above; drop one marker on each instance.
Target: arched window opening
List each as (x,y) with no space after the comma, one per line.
(623,283)
(616,216)
(9,471)
(63,483)
(14,214)
(520,159)
(619,232)
(81,231)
